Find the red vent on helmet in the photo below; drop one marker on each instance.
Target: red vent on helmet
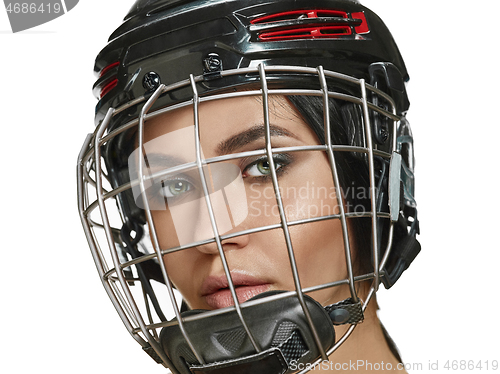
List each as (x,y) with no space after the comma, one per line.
(301,24)
(363,28)
(298,14)
(108,87)
(111,83)
(108,68)
(307,33)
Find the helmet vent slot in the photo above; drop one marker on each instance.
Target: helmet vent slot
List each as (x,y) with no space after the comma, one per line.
(306,33)
(309,24)
(108,68)
(108,78)
(299,14)
(108,87)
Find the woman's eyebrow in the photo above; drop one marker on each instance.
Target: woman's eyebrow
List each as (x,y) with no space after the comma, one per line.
(248,136)
(156,159)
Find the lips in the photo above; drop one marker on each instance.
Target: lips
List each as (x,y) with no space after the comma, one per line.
(216,293)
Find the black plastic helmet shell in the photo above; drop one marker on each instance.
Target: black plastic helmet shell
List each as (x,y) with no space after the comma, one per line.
(167,40)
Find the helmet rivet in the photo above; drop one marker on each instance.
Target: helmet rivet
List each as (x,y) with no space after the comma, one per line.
(212,63)
(151,81)
(339,316)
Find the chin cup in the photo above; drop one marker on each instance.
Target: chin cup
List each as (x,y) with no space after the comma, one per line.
(279,327)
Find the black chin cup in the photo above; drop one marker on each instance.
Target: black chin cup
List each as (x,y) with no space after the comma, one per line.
(279,327)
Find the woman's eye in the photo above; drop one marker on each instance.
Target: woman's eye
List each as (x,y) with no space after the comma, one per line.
(262,168)
(175,188)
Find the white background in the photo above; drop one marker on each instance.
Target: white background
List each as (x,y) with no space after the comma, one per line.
(55,315)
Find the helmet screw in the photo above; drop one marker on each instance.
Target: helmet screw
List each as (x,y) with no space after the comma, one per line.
(212,63)
(384,135)
(151,81)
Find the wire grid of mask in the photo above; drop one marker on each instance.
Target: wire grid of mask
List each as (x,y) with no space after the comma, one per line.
(118,273)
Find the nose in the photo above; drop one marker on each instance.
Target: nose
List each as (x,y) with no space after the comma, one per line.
(231,241)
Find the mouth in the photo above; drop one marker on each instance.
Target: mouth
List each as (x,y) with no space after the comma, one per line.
(216,293)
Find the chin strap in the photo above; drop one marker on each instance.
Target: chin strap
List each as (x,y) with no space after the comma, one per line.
(281,356)
(279,323)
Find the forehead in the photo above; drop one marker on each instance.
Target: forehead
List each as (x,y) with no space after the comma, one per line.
(221,115)
(224,118)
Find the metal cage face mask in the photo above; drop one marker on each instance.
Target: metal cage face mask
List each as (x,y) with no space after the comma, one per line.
(202,178)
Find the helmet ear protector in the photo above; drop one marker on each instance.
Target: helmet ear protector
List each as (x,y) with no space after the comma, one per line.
(401,181)
(253,48)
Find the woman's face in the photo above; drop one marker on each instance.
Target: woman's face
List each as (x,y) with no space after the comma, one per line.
(242,195)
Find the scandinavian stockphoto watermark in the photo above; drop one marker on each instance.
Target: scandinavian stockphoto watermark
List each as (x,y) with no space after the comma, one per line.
(25,15)
(309,200)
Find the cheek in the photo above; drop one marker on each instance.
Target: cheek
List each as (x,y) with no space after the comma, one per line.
(180,264)
(164,229)
(181,269)
(311,192)
(319,251)
(318,245)
(185,224)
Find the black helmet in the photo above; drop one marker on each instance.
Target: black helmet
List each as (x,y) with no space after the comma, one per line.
(334,60)
(165,41)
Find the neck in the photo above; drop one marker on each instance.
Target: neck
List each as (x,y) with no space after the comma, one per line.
(365,351)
